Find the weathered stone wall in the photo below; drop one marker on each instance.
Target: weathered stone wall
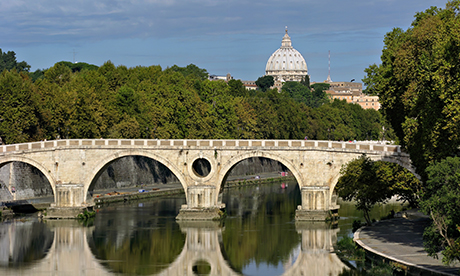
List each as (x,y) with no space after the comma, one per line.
(28,182)
(257,165)
(125,172)
(5,194)
(137,170)
(132,171)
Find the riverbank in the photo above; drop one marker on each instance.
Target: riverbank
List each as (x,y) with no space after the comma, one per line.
(151,191)
(399,241)
(102,197)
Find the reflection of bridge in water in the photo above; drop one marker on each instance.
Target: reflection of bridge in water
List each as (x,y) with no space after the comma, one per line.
(70,254)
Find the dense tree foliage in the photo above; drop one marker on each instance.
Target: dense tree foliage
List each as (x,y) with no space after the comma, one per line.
(79,66)
(18,121)
(369,183)
(441,199)
(264,83)
(303,93)
(8,62)
(148,102)
(418,84)
(191,70)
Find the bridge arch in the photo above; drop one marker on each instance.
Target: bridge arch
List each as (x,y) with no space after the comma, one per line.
(45,171)
(105,161)
(226,168)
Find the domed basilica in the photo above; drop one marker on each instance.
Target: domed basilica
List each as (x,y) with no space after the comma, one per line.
(286,63)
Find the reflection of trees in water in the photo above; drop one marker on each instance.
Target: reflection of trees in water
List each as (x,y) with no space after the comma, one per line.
(23,242)
(143,238)
(138,241)
(258,228)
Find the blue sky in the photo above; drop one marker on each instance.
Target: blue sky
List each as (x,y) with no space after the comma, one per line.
(232,36)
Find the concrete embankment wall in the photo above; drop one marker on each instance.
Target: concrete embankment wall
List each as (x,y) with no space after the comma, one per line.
(126,172)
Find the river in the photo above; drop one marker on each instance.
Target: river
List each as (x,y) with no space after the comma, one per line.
(259,236)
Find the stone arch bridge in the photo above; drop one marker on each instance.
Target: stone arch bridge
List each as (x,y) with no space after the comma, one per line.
(71,167)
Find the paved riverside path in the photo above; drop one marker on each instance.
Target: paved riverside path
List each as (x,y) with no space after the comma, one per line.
(401,240)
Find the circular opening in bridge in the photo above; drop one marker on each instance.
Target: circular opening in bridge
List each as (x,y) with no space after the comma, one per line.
(201,167)
(201,267)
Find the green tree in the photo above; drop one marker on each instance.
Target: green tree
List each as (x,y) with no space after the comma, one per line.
(441,199)
(79,66)
(418,84)
(59,74)
(127,128)
(306,81)
(359,183)
(115,76)
(236,88)
(8,62)
(265,82)
(18,123)
(319,96)
(54,105)
(37,74)
(298,92)
(369,183)
(127,101)
(191,70)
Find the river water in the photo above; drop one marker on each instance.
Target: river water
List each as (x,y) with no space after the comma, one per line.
(259,236)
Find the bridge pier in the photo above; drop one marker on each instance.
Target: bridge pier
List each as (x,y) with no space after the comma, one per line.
(201,204)
(69,201)
(315,204)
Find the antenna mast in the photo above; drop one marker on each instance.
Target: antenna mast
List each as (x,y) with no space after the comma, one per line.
(74,55)
(329,66)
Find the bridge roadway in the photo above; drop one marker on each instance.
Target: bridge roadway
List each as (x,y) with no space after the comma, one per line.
(72,166)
